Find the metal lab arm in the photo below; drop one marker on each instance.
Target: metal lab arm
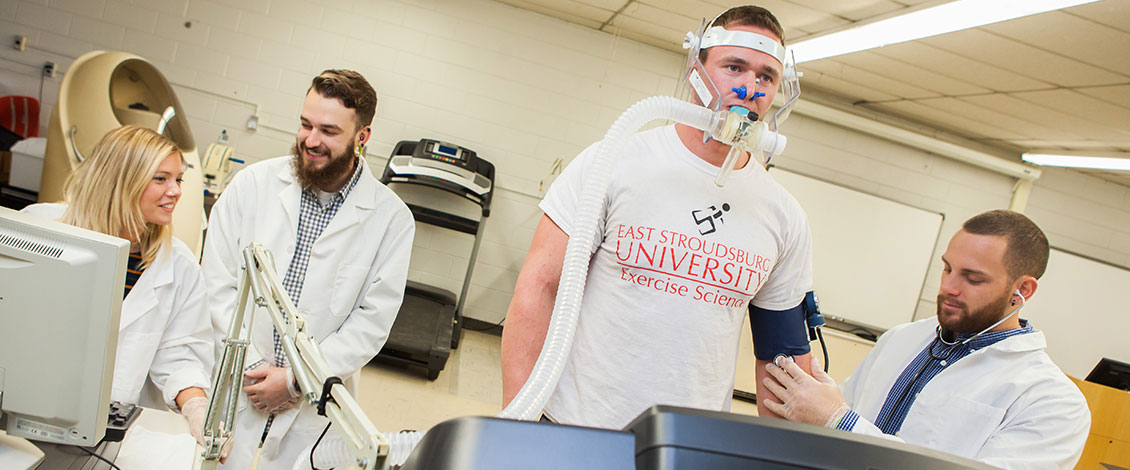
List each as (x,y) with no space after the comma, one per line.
(260,279)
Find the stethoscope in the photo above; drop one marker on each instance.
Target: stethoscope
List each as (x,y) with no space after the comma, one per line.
(954,344)
(942,359)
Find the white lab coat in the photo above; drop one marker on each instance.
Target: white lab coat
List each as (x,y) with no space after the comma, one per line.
(164,335)
(1007,405)
(353,287)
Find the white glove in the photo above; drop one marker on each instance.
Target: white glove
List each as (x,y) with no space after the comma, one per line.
(800,397)
(193,411)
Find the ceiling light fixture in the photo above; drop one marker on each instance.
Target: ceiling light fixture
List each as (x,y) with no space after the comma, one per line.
(922,23)
(1078,161)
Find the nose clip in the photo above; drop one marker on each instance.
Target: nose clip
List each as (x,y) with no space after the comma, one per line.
(743,92)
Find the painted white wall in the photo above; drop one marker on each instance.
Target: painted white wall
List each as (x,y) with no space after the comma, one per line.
(520,88)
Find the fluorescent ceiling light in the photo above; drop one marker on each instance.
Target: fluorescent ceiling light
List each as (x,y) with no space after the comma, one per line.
(1073,161)
(931,21)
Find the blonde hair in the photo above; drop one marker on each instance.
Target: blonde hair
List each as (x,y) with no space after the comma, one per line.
(103,192)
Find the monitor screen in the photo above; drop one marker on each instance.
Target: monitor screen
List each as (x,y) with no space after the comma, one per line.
(60,300)
(1111,373)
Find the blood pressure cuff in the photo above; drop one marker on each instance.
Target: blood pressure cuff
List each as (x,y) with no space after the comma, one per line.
(779,332)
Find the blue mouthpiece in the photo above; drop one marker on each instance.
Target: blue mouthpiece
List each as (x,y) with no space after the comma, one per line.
(739,110)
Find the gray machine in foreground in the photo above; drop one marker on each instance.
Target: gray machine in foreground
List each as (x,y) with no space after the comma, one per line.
(667,438)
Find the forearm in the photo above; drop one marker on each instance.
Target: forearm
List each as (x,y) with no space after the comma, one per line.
(527,321)
(187,394)
(530,310)
(803,361)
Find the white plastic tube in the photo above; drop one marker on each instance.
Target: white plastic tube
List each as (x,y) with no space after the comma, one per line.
(531,399)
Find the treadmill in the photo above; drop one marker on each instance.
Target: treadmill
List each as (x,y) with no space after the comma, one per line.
(450,187)
(667,438)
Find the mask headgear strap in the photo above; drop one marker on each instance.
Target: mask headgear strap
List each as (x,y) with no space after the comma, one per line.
(718,36)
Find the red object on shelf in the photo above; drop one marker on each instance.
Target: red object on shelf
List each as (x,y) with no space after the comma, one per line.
(20,114)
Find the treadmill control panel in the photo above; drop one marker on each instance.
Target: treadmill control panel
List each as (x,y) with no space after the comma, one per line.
(444,152)
(438,163)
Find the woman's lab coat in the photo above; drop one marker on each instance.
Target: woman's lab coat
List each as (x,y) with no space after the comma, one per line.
(164,335)
(1007,405)
(352,288)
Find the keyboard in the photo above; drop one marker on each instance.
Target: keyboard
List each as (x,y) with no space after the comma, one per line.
(121,416)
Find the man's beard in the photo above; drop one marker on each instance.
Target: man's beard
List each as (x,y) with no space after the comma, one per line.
(976,321)
(335,169)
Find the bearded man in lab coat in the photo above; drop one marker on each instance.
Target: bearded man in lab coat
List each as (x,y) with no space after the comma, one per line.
(974,380)
(341,241)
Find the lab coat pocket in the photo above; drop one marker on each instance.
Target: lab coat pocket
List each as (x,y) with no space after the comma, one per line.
(132,362)
(347,287)
(959,425)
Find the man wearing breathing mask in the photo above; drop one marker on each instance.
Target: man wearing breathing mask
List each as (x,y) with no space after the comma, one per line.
(681,257)
(974,380)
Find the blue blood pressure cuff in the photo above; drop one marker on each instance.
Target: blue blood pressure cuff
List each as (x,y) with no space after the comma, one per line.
(784,331)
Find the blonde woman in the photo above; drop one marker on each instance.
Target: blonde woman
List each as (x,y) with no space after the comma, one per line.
(128,187)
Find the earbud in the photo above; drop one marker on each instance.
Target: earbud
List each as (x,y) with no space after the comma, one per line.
(1018,295)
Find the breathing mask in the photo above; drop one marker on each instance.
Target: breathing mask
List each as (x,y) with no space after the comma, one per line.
(703,89)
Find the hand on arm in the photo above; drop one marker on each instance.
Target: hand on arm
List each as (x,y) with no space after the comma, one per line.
(762,374)
(527,318)
(797,396)
(270,390)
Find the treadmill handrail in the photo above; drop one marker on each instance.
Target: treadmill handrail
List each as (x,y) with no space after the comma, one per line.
(455,175)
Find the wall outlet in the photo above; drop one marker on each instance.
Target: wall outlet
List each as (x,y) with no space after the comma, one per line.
(49,69)
(21,43)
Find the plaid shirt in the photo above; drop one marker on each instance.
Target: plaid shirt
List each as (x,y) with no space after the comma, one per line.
(313,218)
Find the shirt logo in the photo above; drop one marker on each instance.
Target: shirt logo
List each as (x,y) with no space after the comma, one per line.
(709,219)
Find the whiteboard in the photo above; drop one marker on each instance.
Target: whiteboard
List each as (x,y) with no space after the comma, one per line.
(870,254)
(1082,307)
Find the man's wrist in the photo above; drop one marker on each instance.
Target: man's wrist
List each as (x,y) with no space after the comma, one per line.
(292,384)
(847,421)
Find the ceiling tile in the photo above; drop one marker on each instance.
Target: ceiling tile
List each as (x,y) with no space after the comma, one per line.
(979,110)
(1104,120)
(868,78)
(582,14)
(848,91)
(1118,94)
(1039,122)
(659,17)
(1115,14)
(942,119)
(611,5)
(853,10)
(1023,59)
(696,9)
(646,32)
(959,67)
(1058,32)
(910,73)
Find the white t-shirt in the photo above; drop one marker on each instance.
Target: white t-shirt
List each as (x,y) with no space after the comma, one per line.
(672,273)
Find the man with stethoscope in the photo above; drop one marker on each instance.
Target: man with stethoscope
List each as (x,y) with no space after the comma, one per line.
(974,380)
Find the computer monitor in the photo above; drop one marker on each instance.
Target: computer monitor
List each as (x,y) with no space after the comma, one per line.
(1111,373)
(60,300)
